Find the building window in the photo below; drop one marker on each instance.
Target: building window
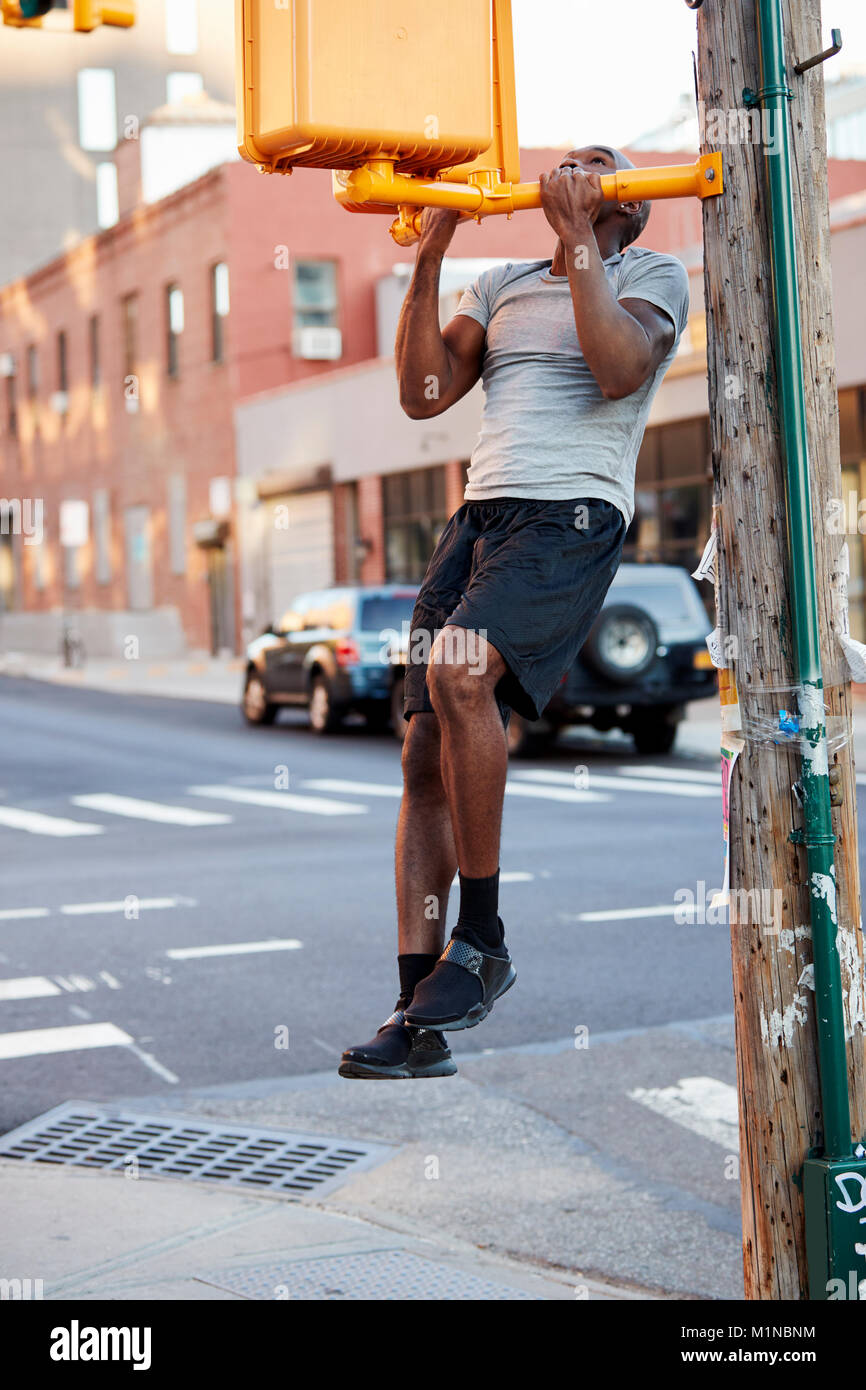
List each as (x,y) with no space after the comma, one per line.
(62,362)
(11,399)
(315,294)
(32,371)
(95,362)
(107,205)
(33,382)
(219,298)
(414,513)
(101,536)
(181,26)
(177,523)
(673,495)
(180,85)
(174,327)
(129,313)
(97,109)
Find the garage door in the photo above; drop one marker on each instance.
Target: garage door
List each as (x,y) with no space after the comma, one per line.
(301,546)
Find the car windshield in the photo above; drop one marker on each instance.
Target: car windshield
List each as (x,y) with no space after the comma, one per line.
(666,600)
(386,612)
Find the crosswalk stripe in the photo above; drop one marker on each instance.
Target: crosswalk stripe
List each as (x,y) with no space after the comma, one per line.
(123,904)
(338,784)
(239,948)
(625,914)
(28,987)
(149,810)
(671,774)
(545,793)
(37,1042)
(623,784)
(35,823)
(700,1103)
(280,801)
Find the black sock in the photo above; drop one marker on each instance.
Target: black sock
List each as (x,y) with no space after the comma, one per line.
(412,968)
(478,922)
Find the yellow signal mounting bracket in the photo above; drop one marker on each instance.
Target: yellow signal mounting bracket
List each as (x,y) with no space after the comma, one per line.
(379,92)
(483,195)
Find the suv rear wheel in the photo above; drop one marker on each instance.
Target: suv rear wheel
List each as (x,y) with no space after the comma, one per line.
(255,705)
(325,716)
(622,644)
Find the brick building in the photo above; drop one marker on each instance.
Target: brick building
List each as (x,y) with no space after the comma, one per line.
(202,399)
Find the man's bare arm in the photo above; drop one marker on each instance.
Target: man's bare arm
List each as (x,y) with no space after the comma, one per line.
(624,341)
(435,367)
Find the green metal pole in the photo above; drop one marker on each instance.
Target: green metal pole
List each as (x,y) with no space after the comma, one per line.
(818,836)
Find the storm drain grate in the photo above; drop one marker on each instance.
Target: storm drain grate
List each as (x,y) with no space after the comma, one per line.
(182,1147)
(377,1275)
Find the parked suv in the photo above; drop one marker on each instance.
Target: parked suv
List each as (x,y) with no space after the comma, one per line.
(331,652)
(644,659)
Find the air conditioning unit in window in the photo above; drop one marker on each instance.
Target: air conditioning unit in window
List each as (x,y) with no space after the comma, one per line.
(318,344)
(60,402)
(7,364)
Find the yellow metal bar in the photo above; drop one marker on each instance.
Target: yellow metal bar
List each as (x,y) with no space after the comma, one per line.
(376,184)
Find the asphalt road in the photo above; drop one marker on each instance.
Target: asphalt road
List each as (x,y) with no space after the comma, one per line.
(89,921)
(197,916)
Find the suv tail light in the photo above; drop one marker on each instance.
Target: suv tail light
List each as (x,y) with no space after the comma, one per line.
(348,652)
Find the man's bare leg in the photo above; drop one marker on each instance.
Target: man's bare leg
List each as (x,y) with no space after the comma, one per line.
(475,968)
(426,863)
(426,858)
(462,677)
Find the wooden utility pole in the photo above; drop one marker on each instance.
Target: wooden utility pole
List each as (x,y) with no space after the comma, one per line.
(780,1105)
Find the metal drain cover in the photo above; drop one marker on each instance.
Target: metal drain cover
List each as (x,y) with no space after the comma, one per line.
(97,1136)
(374,1275)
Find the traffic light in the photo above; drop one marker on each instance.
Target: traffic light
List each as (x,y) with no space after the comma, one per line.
(86,14)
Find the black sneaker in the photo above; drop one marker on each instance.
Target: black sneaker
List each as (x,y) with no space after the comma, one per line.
(461,989)
(399,1051)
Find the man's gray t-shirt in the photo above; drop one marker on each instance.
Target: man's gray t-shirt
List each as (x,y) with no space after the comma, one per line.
(547,432)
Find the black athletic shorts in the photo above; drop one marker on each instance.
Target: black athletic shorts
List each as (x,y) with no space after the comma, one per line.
(530,576)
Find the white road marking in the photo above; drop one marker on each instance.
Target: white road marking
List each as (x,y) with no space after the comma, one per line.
(35,823)
(239,948)
(671,774)
(554,793)
(338,784)
(636,784)
(18,914)
(122,904)
(620,914)
(149,810)
(28,987)
(280,801)
(37,1042)
(518,876)
(150,1061)
(79,984)
(700,1103)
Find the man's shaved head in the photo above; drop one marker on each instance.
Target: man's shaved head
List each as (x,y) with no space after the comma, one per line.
(602,159)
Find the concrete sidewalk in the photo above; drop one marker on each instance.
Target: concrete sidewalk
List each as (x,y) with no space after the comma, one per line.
(204,678)
(538,1172)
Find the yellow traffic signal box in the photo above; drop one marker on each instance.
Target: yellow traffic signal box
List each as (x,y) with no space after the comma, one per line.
(335,83)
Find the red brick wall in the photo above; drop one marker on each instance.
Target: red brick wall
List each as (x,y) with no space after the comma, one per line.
(371,528)
(183,426)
